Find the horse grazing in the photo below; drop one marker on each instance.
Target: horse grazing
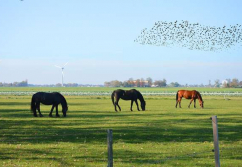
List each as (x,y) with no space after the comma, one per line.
(193,95)
(53,99)
(132,95)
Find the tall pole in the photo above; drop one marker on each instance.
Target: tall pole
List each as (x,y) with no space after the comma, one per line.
(110,147)
(215,139)
(62,77)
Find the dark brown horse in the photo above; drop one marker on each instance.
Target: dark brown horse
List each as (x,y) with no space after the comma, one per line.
(132,95)
(193,95)
(53,99)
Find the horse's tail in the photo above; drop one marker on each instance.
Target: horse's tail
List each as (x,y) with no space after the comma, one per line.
(32,106)
(112,97)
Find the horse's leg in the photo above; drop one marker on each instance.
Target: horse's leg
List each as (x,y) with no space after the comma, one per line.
(57,115)
(38,108)
(190,103)
(177,103)
(131,105)
(179,100)
(52,108)
(116,104)
(34,110)
(194,103)
(137,104)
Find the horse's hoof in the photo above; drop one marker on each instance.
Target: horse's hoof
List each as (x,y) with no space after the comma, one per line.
(35,115)
(40,115)
(50,116)
(57,115)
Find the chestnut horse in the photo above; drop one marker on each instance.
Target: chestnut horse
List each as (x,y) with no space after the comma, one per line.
(132,95)
(193,95)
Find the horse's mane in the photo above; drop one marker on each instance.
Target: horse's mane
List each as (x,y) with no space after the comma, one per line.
(140,96)
(63,100)
(199,96)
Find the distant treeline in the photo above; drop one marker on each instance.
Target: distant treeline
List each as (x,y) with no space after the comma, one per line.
(15,84)
(139,83)
(227,83)
(25,84)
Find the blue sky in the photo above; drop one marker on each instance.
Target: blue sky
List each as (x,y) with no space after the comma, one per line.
(97,39)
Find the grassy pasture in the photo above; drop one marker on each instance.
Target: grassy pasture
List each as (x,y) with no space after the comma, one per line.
(160,136)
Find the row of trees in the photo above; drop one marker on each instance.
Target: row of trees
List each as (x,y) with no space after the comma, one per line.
(138,83)
(15,84)
(229,83)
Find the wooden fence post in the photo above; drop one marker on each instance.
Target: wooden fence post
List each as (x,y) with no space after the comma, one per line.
(215,139)
(110,147)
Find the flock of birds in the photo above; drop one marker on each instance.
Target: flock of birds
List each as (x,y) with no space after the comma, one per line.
(191,36)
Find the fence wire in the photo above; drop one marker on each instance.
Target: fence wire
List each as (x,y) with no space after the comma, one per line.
(89,93)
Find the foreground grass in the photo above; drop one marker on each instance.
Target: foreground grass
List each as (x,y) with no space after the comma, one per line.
(160,136)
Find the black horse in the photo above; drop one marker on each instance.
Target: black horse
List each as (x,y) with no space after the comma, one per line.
(132,95)
(53,99)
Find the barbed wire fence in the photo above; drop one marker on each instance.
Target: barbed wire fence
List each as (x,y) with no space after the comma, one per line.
(216,149)
(147,93)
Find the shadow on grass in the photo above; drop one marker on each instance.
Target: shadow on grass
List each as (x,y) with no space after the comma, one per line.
(130,128)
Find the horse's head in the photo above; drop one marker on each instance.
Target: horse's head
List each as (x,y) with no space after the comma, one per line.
(201,103)
(143,105)
(64,110)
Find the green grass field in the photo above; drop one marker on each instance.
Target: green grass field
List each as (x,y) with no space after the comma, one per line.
(160,136)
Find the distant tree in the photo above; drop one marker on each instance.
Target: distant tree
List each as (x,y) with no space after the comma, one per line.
(234,83)
(71,85)
(160,83)
(137,83)
(240,84)
(23,84)
(107,84)
(142,82)
(150,82)
(217,83)
(116,83)
(226,83)
(174,84)
(58,85)
(131,82)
